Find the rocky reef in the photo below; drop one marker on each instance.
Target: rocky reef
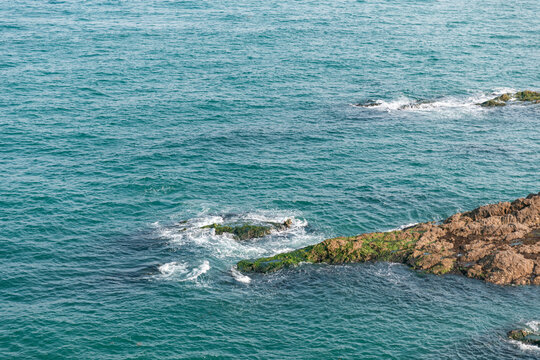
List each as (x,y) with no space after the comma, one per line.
(249,231)
(525,336)
(498,243)
(523,96)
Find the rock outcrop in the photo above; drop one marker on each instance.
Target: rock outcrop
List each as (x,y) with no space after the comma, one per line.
(249,231)
(502,100)
(498,243)
(525,336)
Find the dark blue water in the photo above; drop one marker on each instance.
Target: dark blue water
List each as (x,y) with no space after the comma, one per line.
(119,119)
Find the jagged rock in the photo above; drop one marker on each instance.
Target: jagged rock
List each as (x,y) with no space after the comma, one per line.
(499,243)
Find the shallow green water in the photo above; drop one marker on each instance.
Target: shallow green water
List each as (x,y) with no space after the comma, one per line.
(119,119)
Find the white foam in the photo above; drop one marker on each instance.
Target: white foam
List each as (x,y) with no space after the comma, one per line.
(179,271)
(403,227)
(225,246)
(444,103)
(172,268)
(198,271)
(238,276)
(525,347)
(534,325)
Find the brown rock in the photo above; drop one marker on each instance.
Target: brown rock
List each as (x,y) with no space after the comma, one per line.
(509,267)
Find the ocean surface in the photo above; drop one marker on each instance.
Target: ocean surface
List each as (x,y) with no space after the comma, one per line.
(125,126)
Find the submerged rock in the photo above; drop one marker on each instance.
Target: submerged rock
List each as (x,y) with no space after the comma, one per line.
(369,103)
(498,243)
(525,336)
(248,231)
(526,95)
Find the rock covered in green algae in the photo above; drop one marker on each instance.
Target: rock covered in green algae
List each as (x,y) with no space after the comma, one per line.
(526,95)
(525,336)
(248,231)
(498,243)
(393,246)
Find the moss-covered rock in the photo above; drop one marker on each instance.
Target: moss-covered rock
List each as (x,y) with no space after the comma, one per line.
(525,336)
(241,232)
(273,263)
(394,246)
(248,231)
(526,95)
(493,103)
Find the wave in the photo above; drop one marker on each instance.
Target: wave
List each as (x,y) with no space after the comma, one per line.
(198,271)
(525,347)
(175,271)
(450,102)
(238,276)
(534,325)
(187,239)
(189,233)
(172,268)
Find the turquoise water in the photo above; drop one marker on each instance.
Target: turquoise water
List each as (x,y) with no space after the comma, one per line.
(119,119)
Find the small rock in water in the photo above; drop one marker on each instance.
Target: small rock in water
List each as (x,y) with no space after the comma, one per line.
(248,231)
(526,95)
(525,336)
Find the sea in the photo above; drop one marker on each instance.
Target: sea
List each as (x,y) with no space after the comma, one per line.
(128,125)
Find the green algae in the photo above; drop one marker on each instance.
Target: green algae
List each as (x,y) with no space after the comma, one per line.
(274,263)
(440,269)
(525,95)
(393,246)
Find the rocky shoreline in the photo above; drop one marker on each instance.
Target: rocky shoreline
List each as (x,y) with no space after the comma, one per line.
(498,243)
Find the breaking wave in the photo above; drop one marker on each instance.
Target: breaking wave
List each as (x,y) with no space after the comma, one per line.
(188,240)
(172,268)
(189,233)
(451,102)
(179,271)
(534,325)
(238,276)
(198,271)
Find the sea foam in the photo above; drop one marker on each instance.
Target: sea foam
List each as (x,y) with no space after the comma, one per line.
(223,250)
(444,103)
